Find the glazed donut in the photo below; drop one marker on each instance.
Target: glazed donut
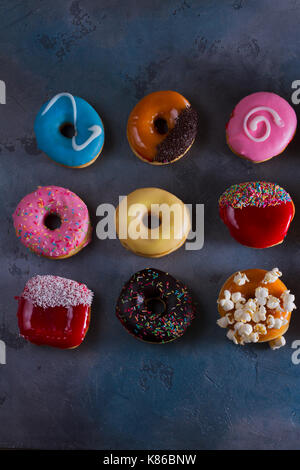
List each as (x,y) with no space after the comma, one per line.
(256,307)
(69,131)
(137,306)
(132,217)
(54,311)
(162,127)
(32,215)
(258,214)
(261,126)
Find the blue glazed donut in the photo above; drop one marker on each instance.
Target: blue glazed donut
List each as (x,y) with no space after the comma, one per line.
(69,131)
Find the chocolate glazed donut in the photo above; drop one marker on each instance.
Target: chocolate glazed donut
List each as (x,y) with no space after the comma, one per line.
(155,307)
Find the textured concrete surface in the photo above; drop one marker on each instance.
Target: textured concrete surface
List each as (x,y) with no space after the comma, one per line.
(115,392)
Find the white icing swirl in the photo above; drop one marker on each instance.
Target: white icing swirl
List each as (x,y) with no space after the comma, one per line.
(258,119)
(95,130)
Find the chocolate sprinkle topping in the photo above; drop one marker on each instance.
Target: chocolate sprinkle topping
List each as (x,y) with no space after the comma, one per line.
(179,138)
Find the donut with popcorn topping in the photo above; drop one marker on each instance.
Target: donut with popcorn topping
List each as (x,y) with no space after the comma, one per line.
(54,311)
(255,306)
(53,222)
(258,214)
(155,307)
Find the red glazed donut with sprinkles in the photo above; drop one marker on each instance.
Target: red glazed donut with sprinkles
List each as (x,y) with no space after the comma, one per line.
(258,214)
(155,307)
(53,222)
(54,311)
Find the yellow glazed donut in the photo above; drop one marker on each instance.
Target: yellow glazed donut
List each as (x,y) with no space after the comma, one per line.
(132,222)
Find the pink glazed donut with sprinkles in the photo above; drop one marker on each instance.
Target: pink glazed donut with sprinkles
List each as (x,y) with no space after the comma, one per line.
(53,222)
(261,126)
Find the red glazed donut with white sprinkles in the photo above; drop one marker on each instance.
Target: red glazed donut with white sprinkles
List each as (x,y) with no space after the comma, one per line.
(54,311)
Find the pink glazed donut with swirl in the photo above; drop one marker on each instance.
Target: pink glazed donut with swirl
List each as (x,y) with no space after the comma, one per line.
(261,126)
(53,222)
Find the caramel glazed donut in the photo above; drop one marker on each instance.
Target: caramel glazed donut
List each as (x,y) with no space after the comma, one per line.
(136,306)
(171,213)
(256,307)
(162,127)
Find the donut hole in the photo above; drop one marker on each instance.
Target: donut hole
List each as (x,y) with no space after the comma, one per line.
(161,125)
(67,129)
(151,221)
(155,306)
(52,221)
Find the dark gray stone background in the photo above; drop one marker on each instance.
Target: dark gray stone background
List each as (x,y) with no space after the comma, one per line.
(115,392)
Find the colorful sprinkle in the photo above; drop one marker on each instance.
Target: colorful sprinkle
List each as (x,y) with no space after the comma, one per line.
(30,228)
(257,193)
